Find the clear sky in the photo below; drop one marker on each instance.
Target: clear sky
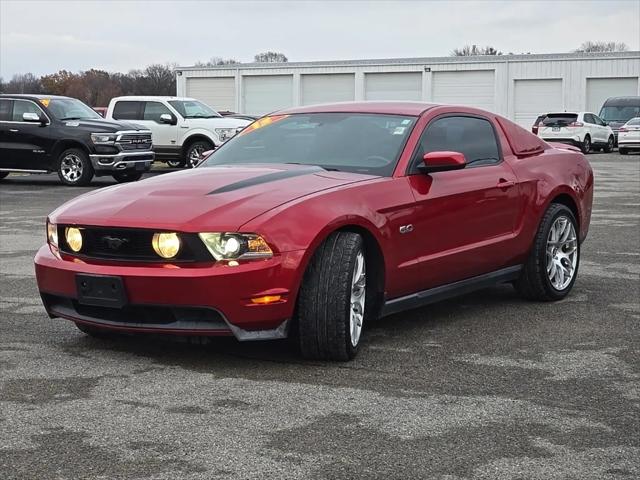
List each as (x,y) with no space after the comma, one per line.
(46,36)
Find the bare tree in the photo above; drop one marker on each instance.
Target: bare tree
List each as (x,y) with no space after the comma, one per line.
(599,46)
(22,83)
(214,61)
(472,50)
(270,57)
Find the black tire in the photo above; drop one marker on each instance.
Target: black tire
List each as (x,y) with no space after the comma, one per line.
(609,147)
(176,163)
(534,282)
(585,146)
(3,175)
(324,300)
(94,332)
(124,177)
(197,146)
(70,157)
(623,151)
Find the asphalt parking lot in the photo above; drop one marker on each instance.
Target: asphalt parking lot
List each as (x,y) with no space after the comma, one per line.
(487,386)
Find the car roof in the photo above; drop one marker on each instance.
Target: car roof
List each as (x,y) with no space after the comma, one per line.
(31,96)
(151,98)
(621,101)
(391,108)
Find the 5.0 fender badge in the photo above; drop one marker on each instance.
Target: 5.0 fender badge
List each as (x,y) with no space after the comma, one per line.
(406,228)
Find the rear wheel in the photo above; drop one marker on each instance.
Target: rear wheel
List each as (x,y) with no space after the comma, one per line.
(193,153)
(586,144)
(124,177)
(176,163)
(552,267)
(74,167)
(334,300)
(609,147)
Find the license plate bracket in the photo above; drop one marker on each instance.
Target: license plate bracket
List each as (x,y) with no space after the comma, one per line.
(101,290)
(555,129)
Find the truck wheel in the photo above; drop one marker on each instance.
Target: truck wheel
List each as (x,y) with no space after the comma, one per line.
(552,267)
(193,153)
(334,300)
(3,175)
(176,163)
(586,144)
(74,167)
(609,147)
(124,177)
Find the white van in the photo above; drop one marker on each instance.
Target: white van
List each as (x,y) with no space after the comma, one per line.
(182,128)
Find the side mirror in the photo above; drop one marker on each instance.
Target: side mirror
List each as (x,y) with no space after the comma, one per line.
(168,119)
(31,117)
(443,161)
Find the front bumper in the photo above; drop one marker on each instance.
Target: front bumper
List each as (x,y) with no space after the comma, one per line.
(122,162)
(633,144)
(208,300)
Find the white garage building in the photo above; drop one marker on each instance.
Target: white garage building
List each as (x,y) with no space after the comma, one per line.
(519,87)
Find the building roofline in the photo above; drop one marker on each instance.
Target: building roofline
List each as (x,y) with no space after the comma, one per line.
(423,60)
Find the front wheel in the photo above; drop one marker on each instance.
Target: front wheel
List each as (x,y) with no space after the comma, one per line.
(586,144)
(124,177)
(194,152)
(552,267)
(334,299)
(74,167)
(609,147)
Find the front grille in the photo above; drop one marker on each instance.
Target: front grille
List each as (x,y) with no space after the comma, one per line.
(131,244)
(135,141)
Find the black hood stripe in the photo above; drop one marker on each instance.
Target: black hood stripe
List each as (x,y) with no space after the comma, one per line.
(269,177)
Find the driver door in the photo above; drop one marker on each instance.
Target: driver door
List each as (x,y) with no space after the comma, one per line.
(465,219)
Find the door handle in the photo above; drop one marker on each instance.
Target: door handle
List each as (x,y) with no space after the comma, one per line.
(502,183)
(13,130)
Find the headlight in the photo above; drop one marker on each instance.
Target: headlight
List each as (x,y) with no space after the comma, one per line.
(73,236)
(225,134)
(103,138)
(52,234)
(232,246)
(167,245)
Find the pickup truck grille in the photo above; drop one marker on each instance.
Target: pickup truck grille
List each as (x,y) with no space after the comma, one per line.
(135,141)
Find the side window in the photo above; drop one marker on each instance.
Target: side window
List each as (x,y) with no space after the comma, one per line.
(22,106)
(126,110)
(598,121)
(588,118)
(5,110)
(472,136)
(153,110)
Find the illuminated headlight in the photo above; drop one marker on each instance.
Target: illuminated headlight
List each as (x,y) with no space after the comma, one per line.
(225,134)
(167,245)
(73,236)
(232,246)
(52,234)
(103,138)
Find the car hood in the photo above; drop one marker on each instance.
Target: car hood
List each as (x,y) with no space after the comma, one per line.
(221,198)
(217,122)
(103,126)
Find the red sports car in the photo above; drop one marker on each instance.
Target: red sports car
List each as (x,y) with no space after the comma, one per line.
(316,219)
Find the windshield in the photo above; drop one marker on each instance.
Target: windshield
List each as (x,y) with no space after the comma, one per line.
(351,142)
(70,109)
(193,109)
(619,114)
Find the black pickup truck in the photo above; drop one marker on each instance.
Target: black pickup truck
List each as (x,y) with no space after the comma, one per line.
(47,133)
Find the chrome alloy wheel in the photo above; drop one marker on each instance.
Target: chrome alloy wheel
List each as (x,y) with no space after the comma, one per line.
(358,296)
(71,167)
(562,253)
(195,155)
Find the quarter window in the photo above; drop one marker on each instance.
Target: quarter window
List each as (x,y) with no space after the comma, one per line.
(5,110)
(22,106)
(125,110)
(474,137)
(153,110)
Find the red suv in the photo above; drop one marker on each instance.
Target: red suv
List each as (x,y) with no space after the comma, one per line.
(315,220)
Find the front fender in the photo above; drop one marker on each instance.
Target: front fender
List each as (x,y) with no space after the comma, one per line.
(201,132)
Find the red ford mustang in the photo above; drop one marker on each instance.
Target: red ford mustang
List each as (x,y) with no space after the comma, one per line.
(316,219)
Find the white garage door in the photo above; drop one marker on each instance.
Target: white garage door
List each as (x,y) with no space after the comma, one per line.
(534,97)
(327,88)
(217,92)
(266,93)
(470,88)
(599,89)
(393,86)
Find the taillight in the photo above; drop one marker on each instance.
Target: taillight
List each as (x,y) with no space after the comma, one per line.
(576,124)
(623,129)
(534,129)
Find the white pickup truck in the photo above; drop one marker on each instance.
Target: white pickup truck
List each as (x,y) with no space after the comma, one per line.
(182,128)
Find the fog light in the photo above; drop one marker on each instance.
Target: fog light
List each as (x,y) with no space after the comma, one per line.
(266,299)
(167,245)
(74,238)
